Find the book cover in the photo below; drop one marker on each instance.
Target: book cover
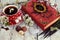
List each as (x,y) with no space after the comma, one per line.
(42,14)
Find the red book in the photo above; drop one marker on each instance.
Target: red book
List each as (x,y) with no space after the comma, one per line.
(42,14)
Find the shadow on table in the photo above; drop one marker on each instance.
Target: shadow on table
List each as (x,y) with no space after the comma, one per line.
(51,30)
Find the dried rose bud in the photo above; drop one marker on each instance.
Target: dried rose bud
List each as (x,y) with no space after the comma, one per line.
(24,29)
(18,28)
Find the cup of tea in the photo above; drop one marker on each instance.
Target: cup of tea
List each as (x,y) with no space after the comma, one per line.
(13,13)
(10,10)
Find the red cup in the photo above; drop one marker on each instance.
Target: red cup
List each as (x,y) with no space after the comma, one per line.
(13,13)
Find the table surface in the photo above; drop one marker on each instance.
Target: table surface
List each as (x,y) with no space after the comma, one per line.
(13,35)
